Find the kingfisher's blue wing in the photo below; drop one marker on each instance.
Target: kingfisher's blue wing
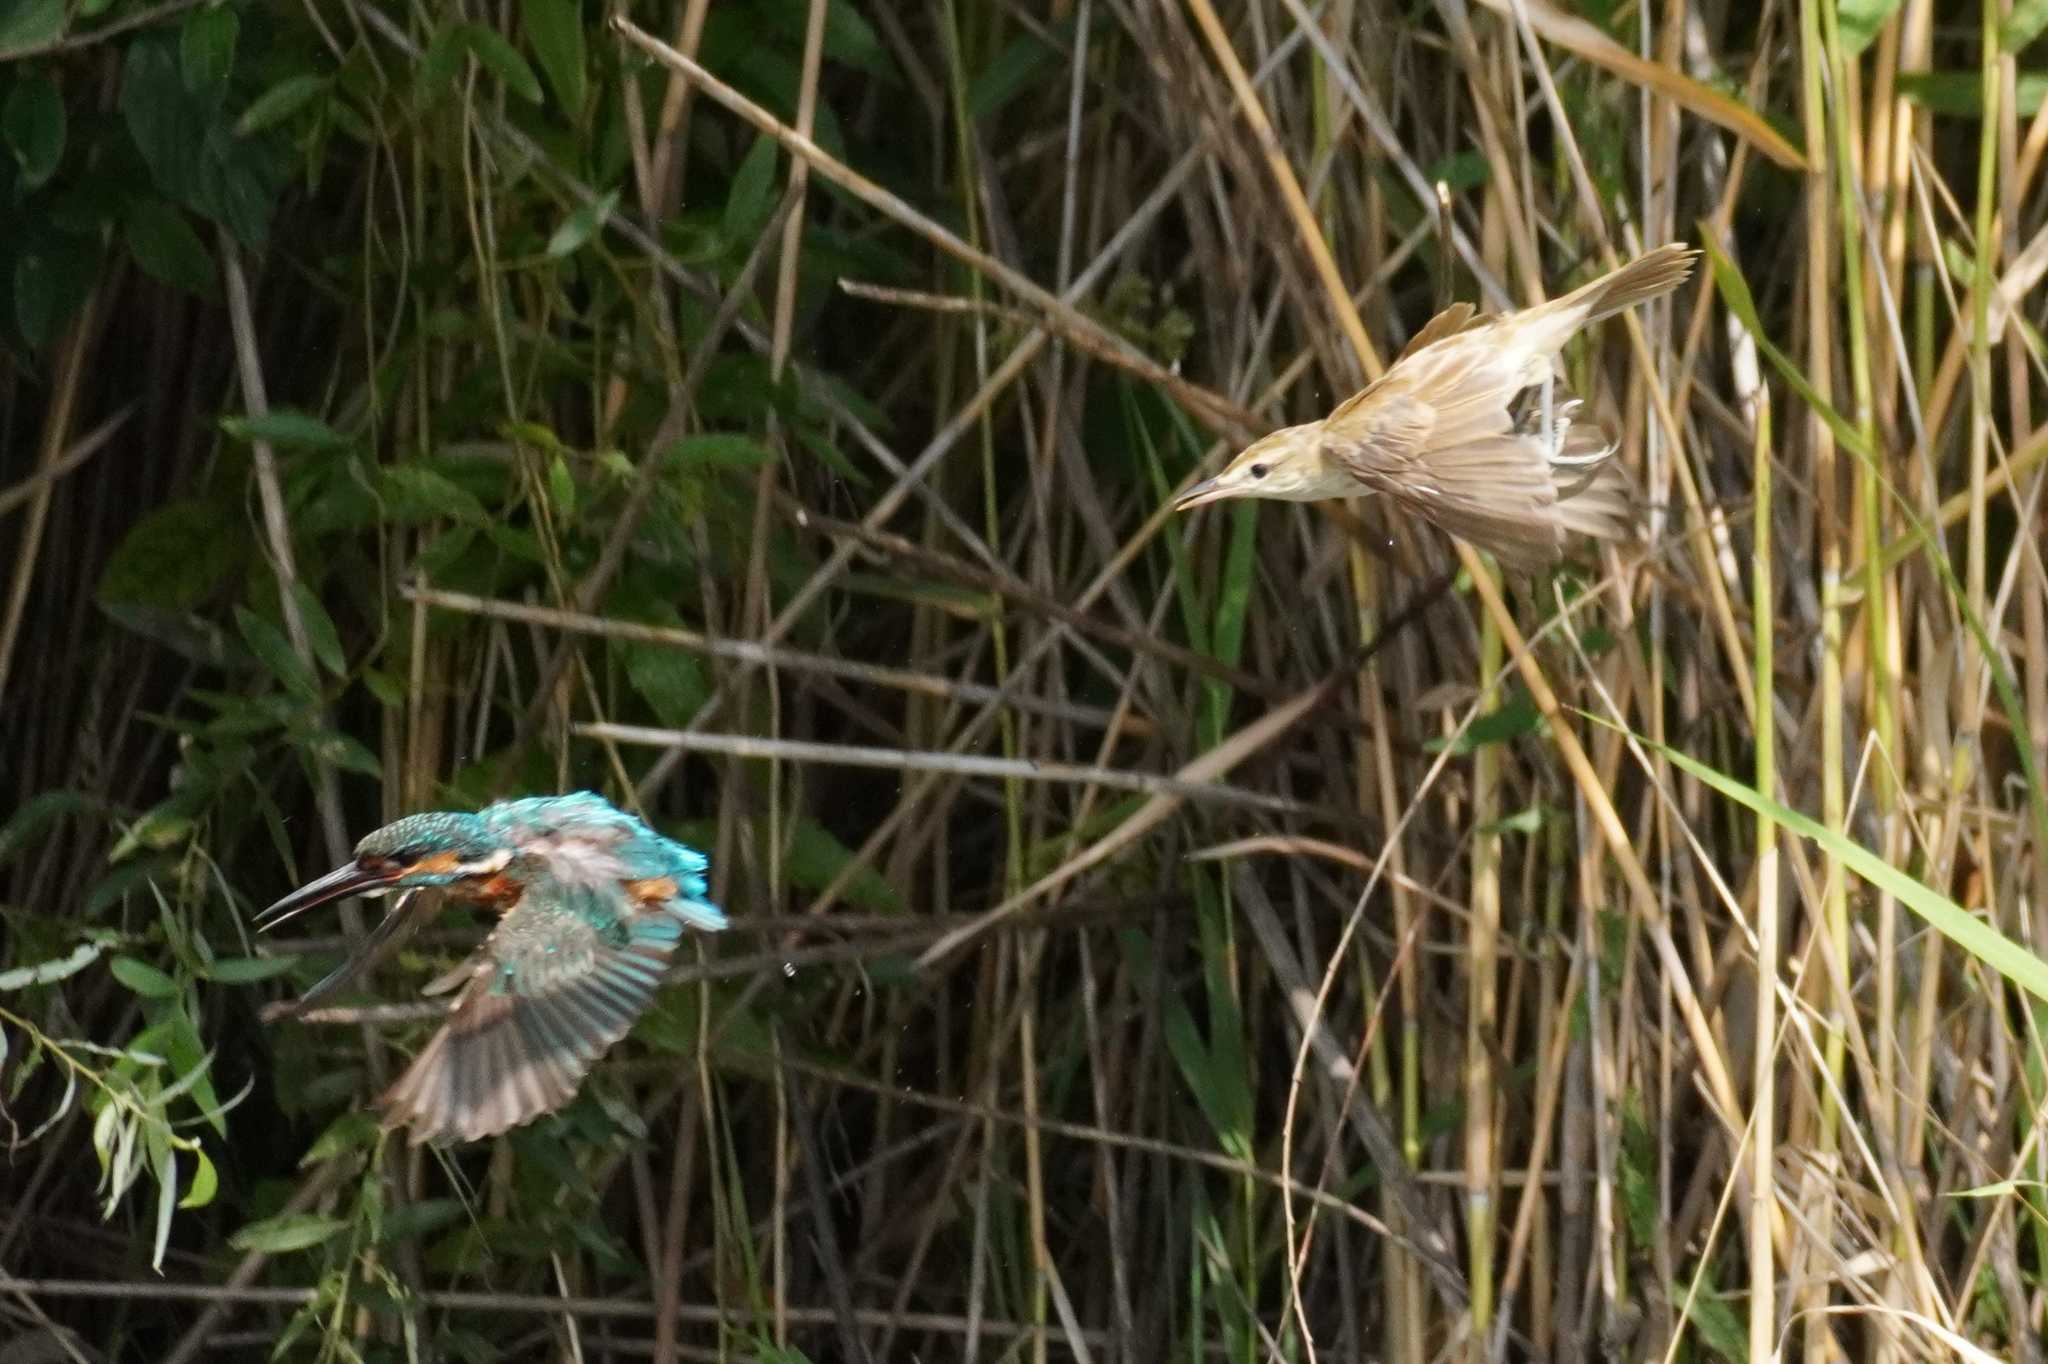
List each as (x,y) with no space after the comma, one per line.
(554,986)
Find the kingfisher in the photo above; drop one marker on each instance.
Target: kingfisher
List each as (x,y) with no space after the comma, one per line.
(593,904)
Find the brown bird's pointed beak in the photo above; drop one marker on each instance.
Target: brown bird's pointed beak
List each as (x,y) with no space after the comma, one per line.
(1209,490)
(342,881)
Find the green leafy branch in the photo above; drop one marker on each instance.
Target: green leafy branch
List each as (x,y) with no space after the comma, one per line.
(133,1131)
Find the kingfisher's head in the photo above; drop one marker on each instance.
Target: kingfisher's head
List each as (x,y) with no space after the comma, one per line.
(436,849)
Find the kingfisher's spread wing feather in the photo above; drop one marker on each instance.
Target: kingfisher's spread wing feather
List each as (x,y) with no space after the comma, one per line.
(554,986)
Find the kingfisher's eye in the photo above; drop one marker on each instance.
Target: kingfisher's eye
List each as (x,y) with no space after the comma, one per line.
(1260,471)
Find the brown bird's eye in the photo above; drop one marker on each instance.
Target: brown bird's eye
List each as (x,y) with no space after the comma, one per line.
(1259,471)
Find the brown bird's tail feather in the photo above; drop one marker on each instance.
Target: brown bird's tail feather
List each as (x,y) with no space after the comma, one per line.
(1646,277)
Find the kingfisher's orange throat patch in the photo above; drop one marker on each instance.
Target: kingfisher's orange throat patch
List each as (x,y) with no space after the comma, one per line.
(653,890)
(497,891)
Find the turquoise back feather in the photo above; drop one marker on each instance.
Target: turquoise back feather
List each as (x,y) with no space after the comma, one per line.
(574,961)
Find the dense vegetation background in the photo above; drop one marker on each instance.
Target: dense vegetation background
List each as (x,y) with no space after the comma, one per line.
(402,406)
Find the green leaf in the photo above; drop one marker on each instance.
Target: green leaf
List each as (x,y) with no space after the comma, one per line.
(438,66)
(1860,20)
(1948,918)
(159,828)
(831,457)
(388,690)
(167,123)
(562,487)
(163,1164)
(669,680)
(2000,1188)
(670,1025)
(1722,1331)
(286,426)
(1218,1092)
(555,28)
(280,102)
(320,631)
(206,46)
(490,48)
(1735,293)
(718,450)
(205,1183)
(275,653)
(415,493)
(1513,718)
(848,38)
(1014,69)
(49,972)
(52,276)
(38,813)
(580,226)
(286,1232)
(1462,171)
(173,558)
(345,752)
(751,198)
(33,123)
(420,1219)
(816,858)
(1526,821)
(194,154)
(1961,93)
(348,1132)
(167,248)
(2024,24)
(249,970)
(143,979)
(30,23)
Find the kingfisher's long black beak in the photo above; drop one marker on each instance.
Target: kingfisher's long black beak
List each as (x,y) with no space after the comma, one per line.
(342,881)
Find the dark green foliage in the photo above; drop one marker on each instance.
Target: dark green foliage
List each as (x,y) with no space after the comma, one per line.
(537,380)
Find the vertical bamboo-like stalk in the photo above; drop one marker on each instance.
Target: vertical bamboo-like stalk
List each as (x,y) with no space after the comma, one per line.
(1406,1290)
(1482,1022)
(1890,122)
(970,169)
(1981,415)
(760,608)
(2028,563)
(1763,1274)
(1834,924)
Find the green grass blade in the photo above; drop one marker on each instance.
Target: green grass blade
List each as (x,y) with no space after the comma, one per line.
(1944,915)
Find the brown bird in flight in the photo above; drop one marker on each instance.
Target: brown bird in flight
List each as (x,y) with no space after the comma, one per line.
(1462,429)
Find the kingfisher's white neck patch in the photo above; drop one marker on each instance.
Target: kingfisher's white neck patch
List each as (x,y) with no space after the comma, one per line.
(485,865)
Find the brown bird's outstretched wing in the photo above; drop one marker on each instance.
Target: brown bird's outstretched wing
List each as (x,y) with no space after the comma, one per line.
(1436,435)
(1452,320)
(1496,493)
(552,988)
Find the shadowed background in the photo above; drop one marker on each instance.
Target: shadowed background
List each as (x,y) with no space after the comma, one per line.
(764,413)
